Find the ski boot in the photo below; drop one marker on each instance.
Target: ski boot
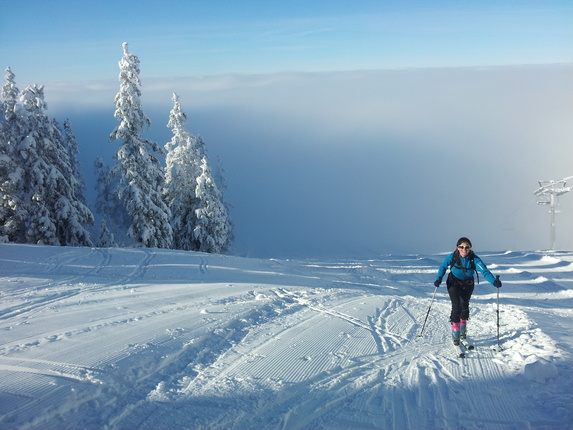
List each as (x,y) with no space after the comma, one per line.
(463,327)
(456,333)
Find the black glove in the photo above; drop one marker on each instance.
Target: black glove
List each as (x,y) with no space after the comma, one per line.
(497,283)
(437,283)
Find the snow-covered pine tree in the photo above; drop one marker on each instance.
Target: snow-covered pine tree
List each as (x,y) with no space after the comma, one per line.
(181,173)
(108,204)
(21,192)
(201,149)
(40,227)
(71,144)
(219,176)
(212,231)
(106,238)
(38,190)
(221,181)
(13,125)
(53,186)
(70,211)
(5,164)
(13,153)
(138,168)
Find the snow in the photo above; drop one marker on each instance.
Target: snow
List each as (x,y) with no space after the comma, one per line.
(151,338)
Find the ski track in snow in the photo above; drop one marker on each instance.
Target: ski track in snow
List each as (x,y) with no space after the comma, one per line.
(146,339)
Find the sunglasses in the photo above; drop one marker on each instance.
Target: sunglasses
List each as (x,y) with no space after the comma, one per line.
(464,247)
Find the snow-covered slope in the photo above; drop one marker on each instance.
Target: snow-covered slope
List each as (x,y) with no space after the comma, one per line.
(147,339)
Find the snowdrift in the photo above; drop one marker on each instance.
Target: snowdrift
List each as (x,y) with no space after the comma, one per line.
(148,339)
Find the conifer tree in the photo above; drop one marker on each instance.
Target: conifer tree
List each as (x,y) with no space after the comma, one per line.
(12,127)
(181,173)
(200,218)
(221,182)
(106,237)
(13,153)
(23,192)
(56,216)
(140,174)
(5,166)
(213,230)
(38,191)
(108,204)
(71,145)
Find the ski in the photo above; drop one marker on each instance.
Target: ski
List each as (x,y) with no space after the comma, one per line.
(466,345)
(463,348)
(460,350)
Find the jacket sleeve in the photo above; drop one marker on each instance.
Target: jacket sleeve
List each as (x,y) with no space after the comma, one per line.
(481,267)
(444,266)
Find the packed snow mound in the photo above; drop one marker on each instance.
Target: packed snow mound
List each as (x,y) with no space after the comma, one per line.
(147,338)
(540,371)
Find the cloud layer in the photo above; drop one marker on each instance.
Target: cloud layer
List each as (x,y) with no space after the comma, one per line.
(362,162)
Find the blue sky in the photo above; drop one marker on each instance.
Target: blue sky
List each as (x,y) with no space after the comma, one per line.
(81,40)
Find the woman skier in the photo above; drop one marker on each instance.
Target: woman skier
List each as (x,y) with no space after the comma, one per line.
(462,263)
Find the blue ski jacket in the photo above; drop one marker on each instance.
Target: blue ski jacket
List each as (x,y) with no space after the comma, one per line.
(469,270)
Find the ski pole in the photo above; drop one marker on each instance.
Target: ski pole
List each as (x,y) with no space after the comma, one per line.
(497,311)
(428,313)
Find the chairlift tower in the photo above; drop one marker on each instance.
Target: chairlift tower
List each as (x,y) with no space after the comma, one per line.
(549,191)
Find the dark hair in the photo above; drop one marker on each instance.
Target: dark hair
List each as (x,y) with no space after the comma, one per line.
(462,240)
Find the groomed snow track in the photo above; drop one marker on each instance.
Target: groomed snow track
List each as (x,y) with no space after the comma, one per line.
(148,339)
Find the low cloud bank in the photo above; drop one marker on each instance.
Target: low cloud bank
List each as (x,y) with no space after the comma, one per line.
(365,162)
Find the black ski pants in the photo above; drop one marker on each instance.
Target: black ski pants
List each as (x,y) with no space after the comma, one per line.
(460,294)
